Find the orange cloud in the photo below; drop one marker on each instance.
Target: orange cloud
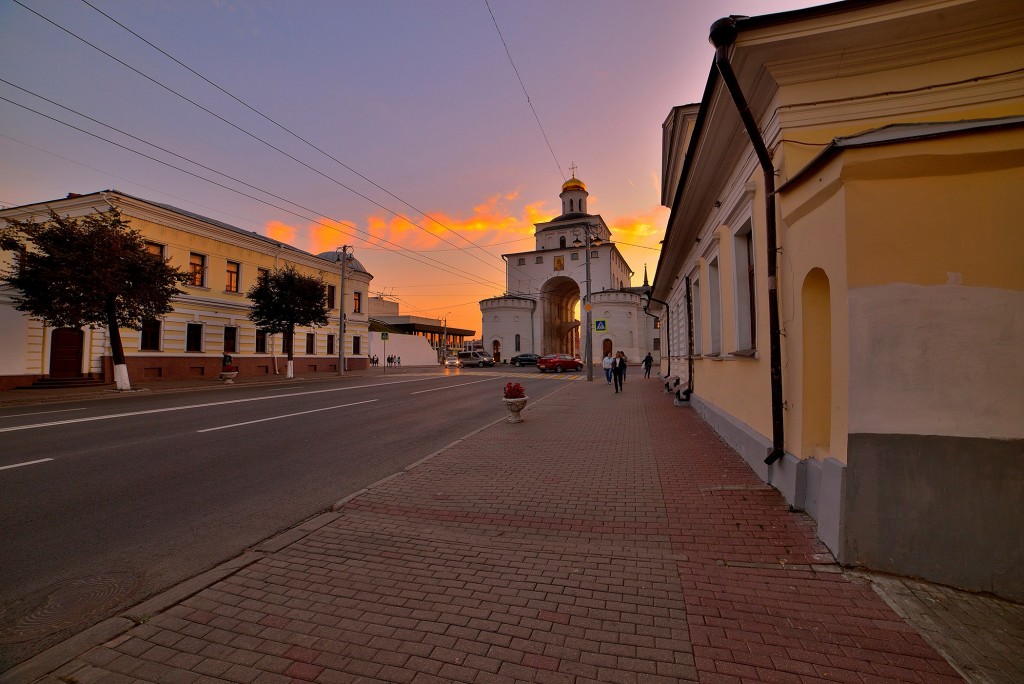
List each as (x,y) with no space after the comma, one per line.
(642,229)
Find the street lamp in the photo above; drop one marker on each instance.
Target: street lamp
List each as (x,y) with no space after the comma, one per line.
(444,338)
(590,239)
(344,255)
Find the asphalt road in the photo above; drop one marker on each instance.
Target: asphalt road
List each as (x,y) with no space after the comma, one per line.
(105,503)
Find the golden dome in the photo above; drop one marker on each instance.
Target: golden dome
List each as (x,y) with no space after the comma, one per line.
(573,183)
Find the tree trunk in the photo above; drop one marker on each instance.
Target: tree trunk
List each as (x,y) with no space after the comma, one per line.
(290,373)
(117,350)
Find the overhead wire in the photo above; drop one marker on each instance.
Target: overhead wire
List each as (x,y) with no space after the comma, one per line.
(400,250)
(300,138)
(229,123)
(523,86)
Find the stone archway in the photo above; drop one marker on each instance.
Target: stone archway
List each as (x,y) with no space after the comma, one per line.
(558,299)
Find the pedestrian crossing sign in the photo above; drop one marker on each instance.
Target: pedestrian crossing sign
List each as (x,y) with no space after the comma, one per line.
(601,325)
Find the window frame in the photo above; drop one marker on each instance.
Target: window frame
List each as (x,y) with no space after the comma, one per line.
(144,335)
(232,284)
(234,338)
(197,271)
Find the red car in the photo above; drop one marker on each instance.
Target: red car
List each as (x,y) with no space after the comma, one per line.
(558,363)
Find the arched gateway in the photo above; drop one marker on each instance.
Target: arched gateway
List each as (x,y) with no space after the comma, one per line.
(540,312)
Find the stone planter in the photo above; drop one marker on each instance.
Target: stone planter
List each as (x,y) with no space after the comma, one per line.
(228,374)
(515,406)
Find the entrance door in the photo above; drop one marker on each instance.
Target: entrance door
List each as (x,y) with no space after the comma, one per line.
(607,348)
(496,351)
(66,353)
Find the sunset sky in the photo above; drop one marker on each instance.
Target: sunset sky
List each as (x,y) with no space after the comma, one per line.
(439,165)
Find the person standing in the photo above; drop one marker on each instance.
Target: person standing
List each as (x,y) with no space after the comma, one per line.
(607,362)
(619,371)
(648,362)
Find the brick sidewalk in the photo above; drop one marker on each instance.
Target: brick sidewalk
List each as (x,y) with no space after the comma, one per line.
(609,538)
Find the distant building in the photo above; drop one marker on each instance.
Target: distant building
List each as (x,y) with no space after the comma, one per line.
(440,337)
(208,321)
(546,285)
(843,275)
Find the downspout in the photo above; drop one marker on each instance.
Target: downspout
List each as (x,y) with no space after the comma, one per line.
(689,336)
(723,35)
(666,328)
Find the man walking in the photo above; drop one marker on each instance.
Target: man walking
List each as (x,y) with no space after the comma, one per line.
(648,362)
(619,371)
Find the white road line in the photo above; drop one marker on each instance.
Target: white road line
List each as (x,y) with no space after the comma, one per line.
(438,389)
(287,415)
(194,406)
(40,413)
(18,465)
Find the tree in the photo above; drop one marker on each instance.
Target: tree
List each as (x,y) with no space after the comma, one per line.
(284,299)
(95,271)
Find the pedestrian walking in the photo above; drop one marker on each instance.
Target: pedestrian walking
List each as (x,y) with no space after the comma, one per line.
(607,362)
(399,360)
(625,364)
(648,362)
(619,371)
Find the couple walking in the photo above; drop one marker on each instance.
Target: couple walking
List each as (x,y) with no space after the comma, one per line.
(615,369)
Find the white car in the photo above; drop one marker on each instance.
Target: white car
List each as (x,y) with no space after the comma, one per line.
(452,362)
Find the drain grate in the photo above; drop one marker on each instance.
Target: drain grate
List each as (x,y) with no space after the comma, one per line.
(69,604)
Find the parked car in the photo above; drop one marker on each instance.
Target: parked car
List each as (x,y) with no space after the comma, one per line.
(452,362)
(475,358)
(558,363)
(520,360)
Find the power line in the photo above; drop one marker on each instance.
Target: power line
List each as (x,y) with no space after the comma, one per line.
(233,125)
(523,86)
(300,138)
(400,251)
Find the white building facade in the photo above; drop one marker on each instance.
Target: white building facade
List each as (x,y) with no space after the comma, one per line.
(545,287)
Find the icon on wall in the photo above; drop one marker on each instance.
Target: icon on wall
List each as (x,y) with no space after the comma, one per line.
(559,263)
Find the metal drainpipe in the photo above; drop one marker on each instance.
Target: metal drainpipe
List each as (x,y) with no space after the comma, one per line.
(723,35)
(668,347)
(689,336)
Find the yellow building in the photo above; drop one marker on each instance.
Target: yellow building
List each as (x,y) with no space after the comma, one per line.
(844,271)
(208,321)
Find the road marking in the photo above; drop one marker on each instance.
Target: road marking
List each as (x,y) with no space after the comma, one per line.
(438,389)
(195,406)
(18,465)
(287,415)
(40,413)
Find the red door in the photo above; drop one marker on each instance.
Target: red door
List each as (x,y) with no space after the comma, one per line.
(66,353)
(496,351)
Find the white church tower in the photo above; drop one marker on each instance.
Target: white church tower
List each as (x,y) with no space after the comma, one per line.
(540,310)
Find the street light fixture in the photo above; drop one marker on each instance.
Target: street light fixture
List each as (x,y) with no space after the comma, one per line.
(590,239)
(444,338)
(344,255)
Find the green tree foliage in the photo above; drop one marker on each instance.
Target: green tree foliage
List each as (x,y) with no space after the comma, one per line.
(94,270)
(284,299)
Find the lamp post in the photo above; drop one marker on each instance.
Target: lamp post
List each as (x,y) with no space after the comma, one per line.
(344,255)
(591,239)
(444,338)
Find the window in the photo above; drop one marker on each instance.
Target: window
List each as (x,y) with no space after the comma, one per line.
(746,302)
(193,337)
(594,254)
(561,242)
(715,299)
(286,343)
(517,342)
(656,344)
(231,279)
(197,269)
(155,248)
(522,261)
(311,343)
(261,341)
(357,347)
(331,294)
(357,302)
(575,256)
(150,335)
(230,339)
(539,260)
(330,345)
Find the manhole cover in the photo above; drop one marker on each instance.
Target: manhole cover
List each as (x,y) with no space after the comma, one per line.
(69,604)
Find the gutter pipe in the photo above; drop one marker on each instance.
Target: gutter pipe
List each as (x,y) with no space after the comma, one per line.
(723,35)
(666,327)
(689,337)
